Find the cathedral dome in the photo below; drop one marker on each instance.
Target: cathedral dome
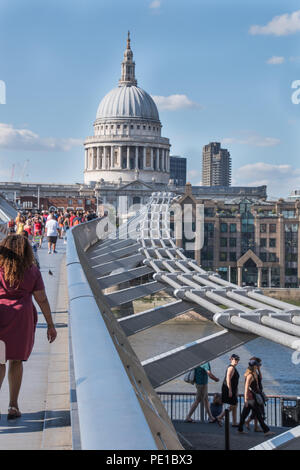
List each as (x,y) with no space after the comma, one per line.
(127,102)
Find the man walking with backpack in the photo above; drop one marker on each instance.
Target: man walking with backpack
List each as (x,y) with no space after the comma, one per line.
(201,381)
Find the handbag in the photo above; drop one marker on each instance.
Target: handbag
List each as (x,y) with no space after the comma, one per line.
(190,377)
(258,398)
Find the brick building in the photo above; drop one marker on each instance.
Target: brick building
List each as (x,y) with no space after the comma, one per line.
(248,241)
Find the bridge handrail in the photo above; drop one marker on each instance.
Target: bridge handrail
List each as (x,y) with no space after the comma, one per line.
(117,407)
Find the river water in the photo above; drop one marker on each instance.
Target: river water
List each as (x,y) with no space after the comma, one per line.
(280,375)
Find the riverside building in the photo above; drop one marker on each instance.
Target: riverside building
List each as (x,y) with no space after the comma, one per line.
(249,241)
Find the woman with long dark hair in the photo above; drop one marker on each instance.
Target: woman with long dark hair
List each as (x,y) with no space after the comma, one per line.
(20,279)
(250,399)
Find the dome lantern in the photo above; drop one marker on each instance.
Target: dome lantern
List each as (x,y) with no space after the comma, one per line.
(128,67)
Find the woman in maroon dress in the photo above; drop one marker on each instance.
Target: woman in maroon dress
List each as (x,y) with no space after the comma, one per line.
(20,279)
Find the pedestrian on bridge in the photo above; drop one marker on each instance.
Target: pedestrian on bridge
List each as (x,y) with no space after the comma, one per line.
(251,399)
(20,279)
(201,380)
(230,389)
(262,404)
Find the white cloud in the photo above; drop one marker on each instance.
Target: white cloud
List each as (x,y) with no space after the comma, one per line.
(276,60)
(253,140)
(25,139)
(281,25)
(155,4)
(280,179)
(174,102)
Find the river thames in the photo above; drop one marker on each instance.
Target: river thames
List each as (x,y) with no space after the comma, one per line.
(280,375)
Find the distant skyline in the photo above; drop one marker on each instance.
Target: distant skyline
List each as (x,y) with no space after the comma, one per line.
(218,71)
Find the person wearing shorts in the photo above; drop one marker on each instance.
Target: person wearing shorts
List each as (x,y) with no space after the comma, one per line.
(51,230)
(201,381)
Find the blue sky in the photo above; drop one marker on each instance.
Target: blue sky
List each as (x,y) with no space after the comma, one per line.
(232,62)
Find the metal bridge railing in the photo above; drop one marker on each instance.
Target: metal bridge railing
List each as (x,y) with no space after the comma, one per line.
(179,404)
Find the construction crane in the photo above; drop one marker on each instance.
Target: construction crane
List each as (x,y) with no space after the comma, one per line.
(12,172)
(25,166)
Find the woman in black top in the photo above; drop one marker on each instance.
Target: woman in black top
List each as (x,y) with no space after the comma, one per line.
(230,388)
(250,403)
(260,390)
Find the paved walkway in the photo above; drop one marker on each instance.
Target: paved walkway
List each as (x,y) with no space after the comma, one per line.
(205,436)
(44,398)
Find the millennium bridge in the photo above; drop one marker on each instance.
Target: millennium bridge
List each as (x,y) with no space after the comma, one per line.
(112,399)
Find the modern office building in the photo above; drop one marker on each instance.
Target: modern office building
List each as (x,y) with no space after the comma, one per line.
(248,241)
(216,165)
(178,170)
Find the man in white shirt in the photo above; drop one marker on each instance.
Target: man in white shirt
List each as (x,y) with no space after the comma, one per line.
(51,231)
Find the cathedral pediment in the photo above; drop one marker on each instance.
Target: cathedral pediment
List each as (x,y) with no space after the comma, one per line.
(136,185)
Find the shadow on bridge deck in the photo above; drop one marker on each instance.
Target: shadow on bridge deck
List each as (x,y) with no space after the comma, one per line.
(44,398)
(206,436)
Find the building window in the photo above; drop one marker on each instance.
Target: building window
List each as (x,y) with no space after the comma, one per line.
(232,242)
(232,228)
(288,214)
(223,256)
(263,242)
(272,243)
(137,127)
(223,227)
(223,242)
(272,257)
(263,256)
(232,256)
(70,202)
(125,126)
(272,228)
(144,127)
(263,228)
(118,126)
(209,211)
(131,127)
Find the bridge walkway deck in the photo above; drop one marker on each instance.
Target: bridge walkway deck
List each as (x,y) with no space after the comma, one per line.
(206,436)
(44,397)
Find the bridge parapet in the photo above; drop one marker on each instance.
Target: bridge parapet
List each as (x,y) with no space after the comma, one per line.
(117,406)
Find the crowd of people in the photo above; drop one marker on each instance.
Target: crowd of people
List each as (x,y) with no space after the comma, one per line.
(254,396)
(20,282)
(50,224)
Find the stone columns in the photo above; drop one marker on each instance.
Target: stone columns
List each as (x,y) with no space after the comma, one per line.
(136,158)
(86,163)
(270,277)
(240,276)
(120,157)
(144,158)
(157,159)
(105,158)
(128,158)
(102,159)
(98,158)
(151,162)
(112,149)
(229,273)
(259,277)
